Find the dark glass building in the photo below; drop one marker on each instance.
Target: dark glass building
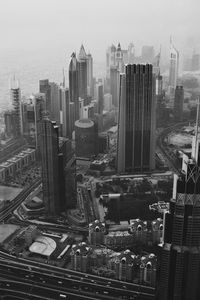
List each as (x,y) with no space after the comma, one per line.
(74,84)
(83,67)
(52,168)
(136,132)
(179,259)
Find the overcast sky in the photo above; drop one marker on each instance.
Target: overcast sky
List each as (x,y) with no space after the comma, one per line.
(65,24)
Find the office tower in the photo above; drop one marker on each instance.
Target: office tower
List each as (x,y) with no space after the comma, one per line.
(52,180)
(110,59)
(107,102)
(173,68)
(179,259)
(136,129)
(15,93)
(74,84)
(178,103)
(9,120)
(82,59)
(45,88)
(156,64)
(65,117)
(99,88)
(90,83)
(114,85)
(119,59)
(147,54)
(54,113)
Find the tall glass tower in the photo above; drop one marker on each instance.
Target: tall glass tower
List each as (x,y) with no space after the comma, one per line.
(179,260)
(136,144)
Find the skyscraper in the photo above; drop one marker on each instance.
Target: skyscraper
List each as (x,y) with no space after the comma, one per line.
(119,59)
(136,129)
(82,59)
(114,85)
(45,88)
(16,102)
(90,81)
(55,102)
(99,88)
(110,59)
(173,68)
(178,103)
(52,180)
(179,260)
(74,84)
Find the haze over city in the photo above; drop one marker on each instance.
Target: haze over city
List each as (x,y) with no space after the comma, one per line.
(99,150)
(38,37)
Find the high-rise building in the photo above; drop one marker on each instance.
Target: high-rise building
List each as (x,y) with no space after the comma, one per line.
(16,102)
(110,59)
(65,117)
(74,84)
(178,103)
(179,259)
(82,59)
(52,173)
(9,120)
(32,109)
(173,68)
(107,102)
(45,88)
(119,59)
(100,97)
(131,53)
(136,129)
(54,113)
(114,85)
(90,82)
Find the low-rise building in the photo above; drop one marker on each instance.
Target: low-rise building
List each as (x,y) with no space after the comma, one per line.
(96,233)
(138,229)
(119,239)
(80,257)
(148,267)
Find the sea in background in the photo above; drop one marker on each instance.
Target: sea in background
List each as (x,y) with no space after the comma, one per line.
(31,66)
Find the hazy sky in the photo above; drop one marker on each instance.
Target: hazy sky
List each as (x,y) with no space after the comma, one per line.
(35,25)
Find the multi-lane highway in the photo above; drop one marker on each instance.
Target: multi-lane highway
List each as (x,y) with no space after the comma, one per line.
(52,277)
(7,211)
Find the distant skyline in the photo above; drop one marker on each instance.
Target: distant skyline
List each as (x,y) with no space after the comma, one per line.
(38,36)
(46,25)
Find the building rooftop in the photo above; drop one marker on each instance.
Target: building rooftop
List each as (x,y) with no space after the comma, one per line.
(6,230)
(43,245)
(84,123)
